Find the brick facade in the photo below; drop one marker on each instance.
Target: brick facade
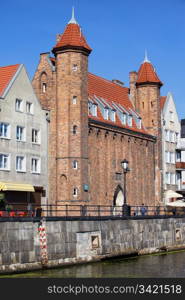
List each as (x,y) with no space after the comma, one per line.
(97,147)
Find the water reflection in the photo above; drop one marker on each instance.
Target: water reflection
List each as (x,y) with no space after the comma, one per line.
(157,266)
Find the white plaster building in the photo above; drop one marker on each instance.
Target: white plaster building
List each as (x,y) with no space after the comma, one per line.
(23,139)
(170,139)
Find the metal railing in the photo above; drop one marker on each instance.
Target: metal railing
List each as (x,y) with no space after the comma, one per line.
(87,211)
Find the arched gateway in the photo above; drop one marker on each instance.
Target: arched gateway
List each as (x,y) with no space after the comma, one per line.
(118,200)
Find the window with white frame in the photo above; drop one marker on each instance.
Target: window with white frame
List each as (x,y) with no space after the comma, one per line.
(44,87)
(113,116)
(35,165)
(29,108)
(74,67)
(178,156)
(75,192)
(172,157)
(172,136)
(168,179)
(20,133)
(20,163)
(172,178)
(75,164)
(74,100)
(167,156)
(94,110)
(138,123)
(129,120)
(106,113)
(124,118)
(19,105)
(4,130)
(35,136)
(4,161)
(167,135)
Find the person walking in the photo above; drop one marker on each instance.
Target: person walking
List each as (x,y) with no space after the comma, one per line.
(143,210)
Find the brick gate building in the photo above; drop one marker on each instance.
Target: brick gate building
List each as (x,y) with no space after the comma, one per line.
(95,124)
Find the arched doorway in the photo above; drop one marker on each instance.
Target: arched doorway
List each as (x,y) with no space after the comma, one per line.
(118,200)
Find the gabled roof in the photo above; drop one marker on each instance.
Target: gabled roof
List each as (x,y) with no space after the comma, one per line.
(6,75)
(162,101)
(147,74)
(72,37)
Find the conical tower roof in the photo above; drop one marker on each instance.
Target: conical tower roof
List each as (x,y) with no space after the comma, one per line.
(147,73)
(72,38)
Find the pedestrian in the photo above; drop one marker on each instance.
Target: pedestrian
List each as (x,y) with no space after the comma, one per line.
(143,209)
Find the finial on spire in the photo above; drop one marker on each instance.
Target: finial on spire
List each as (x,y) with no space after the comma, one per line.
(146,57)
(73,20)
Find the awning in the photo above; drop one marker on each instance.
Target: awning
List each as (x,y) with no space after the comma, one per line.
(10,186)
(172,194)
(178,203)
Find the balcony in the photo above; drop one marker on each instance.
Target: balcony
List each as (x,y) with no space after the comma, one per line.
(180,165)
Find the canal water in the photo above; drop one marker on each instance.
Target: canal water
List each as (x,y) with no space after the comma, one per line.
(169,265)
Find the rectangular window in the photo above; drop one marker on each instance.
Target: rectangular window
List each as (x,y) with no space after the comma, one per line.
(106,113)
(167,178)
(173,181)
(4,130)
(94,110)
(138,123)
(74,100)
(129,120)
(167,135)
(113,116)
(178,156)
(29,108)
(20,164)
(172,136)
(20,133)
(172,157)
(124,118)
(18,105)
(35,136)
(4,161)
(35,165)
(167,156)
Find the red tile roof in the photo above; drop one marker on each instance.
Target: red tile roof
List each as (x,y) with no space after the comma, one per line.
(72,36)
(6,74)
(147,74)
(112,93)
(162,101)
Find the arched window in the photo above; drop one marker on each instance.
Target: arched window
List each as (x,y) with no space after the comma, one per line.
(75,164)
(43,82)
(118,201)
(74,129)
(75,192)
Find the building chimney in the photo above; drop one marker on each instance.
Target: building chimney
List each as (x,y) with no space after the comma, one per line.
(118,82)
(133,79)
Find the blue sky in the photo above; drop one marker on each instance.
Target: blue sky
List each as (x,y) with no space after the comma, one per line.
(119,31)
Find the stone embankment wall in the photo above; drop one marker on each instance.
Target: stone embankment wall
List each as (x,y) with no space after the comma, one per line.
(27,246)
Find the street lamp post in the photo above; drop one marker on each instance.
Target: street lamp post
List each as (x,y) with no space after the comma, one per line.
(126,207)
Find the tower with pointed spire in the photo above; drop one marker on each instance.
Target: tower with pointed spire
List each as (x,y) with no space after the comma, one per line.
(68,103)
(71,61)
(146,93)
